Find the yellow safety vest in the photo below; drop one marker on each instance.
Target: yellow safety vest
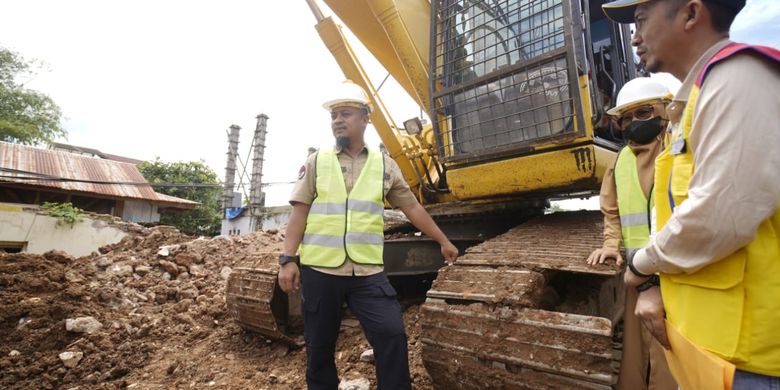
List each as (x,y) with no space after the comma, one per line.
(633,205)
(730,307)
(341,225)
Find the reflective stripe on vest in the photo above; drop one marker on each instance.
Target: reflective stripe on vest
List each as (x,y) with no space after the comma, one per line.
(632,203)
(340,225)
(729,307)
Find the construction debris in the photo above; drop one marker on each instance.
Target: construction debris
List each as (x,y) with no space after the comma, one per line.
(136,316)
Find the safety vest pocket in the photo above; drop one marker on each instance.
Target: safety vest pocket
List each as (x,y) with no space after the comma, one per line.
(682,170)
(722,275)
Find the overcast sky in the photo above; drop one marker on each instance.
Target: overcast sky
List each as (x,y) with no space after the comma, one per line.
(167,78)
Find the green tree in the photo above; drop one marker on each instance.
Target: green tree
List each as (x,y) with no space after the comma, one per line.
(26,116)
(206,219)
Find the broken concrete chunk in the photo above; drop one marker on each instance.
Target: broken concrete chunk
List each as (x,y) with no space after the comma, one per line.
(119,269)
(354,384)
(166,250)
(71,359)
(367,356)
(225,272)
(143,269)
(196,270)
(87,325)
(169,267)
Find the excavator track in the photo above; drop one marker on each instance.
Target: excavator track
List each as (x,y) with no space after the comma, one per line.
(523,311)
(255,300)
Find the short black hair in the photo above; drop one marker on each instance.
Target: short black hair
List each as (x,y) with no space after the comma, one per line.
(721,16)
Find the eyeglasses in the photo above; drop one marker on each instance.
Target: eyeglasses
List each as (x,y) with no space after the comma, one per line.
(641,113)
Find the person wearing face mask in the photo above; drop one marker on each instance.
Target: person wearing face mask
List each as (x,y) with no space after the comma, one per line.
(640,114)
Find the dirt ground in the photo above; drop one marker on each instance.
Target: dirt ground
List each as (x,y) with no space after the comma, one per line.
(159,298)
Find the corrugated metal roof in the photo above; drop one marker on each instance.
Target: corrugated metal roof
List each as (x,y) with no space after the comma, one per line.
(20,160)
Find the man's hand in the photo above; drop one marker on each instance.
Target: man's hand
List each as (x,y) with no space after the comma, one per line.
(449,252)
(650,310)
(600,256)
(632,280)
(289,277)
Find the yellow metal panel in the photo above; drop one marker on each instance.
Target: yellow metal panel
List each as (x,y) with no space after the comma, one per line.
(537,172)
(403,26)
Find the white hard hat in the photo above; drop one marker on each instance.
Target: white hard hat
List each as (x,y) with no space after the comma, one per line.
(637,91)
(348,94)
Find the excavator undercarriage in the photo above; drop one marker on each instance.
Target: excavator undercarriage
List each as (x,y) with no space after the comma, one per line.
(524,311)
(520,310)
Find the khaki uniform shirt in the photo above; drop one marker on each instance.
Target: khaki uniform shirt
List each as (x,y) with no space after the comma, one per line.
(396,191)
(645,164)
(736,182)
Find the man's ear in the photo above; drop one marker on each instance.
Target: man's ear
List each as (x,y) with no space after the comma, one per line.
(693,11)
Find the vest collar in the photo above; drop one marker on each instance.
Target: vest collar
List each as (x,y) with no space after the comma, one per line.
(690,78)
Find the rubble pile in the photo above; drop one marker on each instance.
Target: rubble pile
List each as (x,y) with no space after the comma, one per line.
(149,312)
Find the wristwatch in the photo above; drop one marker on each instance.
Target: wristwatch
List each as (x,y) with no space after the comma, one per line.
(284,259)
(653,281)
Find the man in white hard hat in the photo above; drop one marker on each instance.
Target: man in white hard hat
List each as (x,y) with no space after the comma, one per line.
(640,114)
(337,220)
(716,196)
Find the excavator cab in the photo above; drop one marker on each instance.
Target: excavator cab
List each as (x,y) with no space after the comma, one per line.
(516,78)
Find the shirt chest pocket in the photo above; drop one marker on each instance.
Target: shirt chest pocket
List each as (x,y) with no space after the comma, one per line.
(682,170)
(386,184)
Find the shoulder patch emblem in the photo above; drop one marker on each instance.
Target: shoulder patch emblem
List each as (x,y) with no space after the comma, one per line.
(302,172)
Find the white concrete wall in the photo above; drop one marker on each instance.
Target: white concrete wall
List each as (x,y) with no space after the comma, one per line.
(236,227)
(23,224)
(273,218)
(139,211)
(276,217)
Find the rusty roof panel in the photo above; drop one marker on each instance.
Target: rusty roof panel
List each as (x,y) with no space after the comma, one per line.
(18,161)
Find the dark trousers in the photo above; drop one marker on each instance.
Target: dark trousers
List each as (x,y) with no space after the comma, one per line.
(373,301)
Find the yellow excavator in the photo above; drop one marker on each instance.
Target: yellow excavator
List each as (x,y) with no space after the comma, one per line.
(515,94)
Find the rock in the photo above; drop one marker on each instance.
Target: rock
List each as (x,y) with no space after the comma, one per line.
(354,384)
(87,325)
(281,350)
(165,276)
(23,322)
(71,359)
(196,270)
(143,269)
(119,269)
(166,250)
(58,256)
(169,267)
(185,259)
(367,356)
(187,293)
(73,277)
(225,272)
(14,353)
(103,261)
